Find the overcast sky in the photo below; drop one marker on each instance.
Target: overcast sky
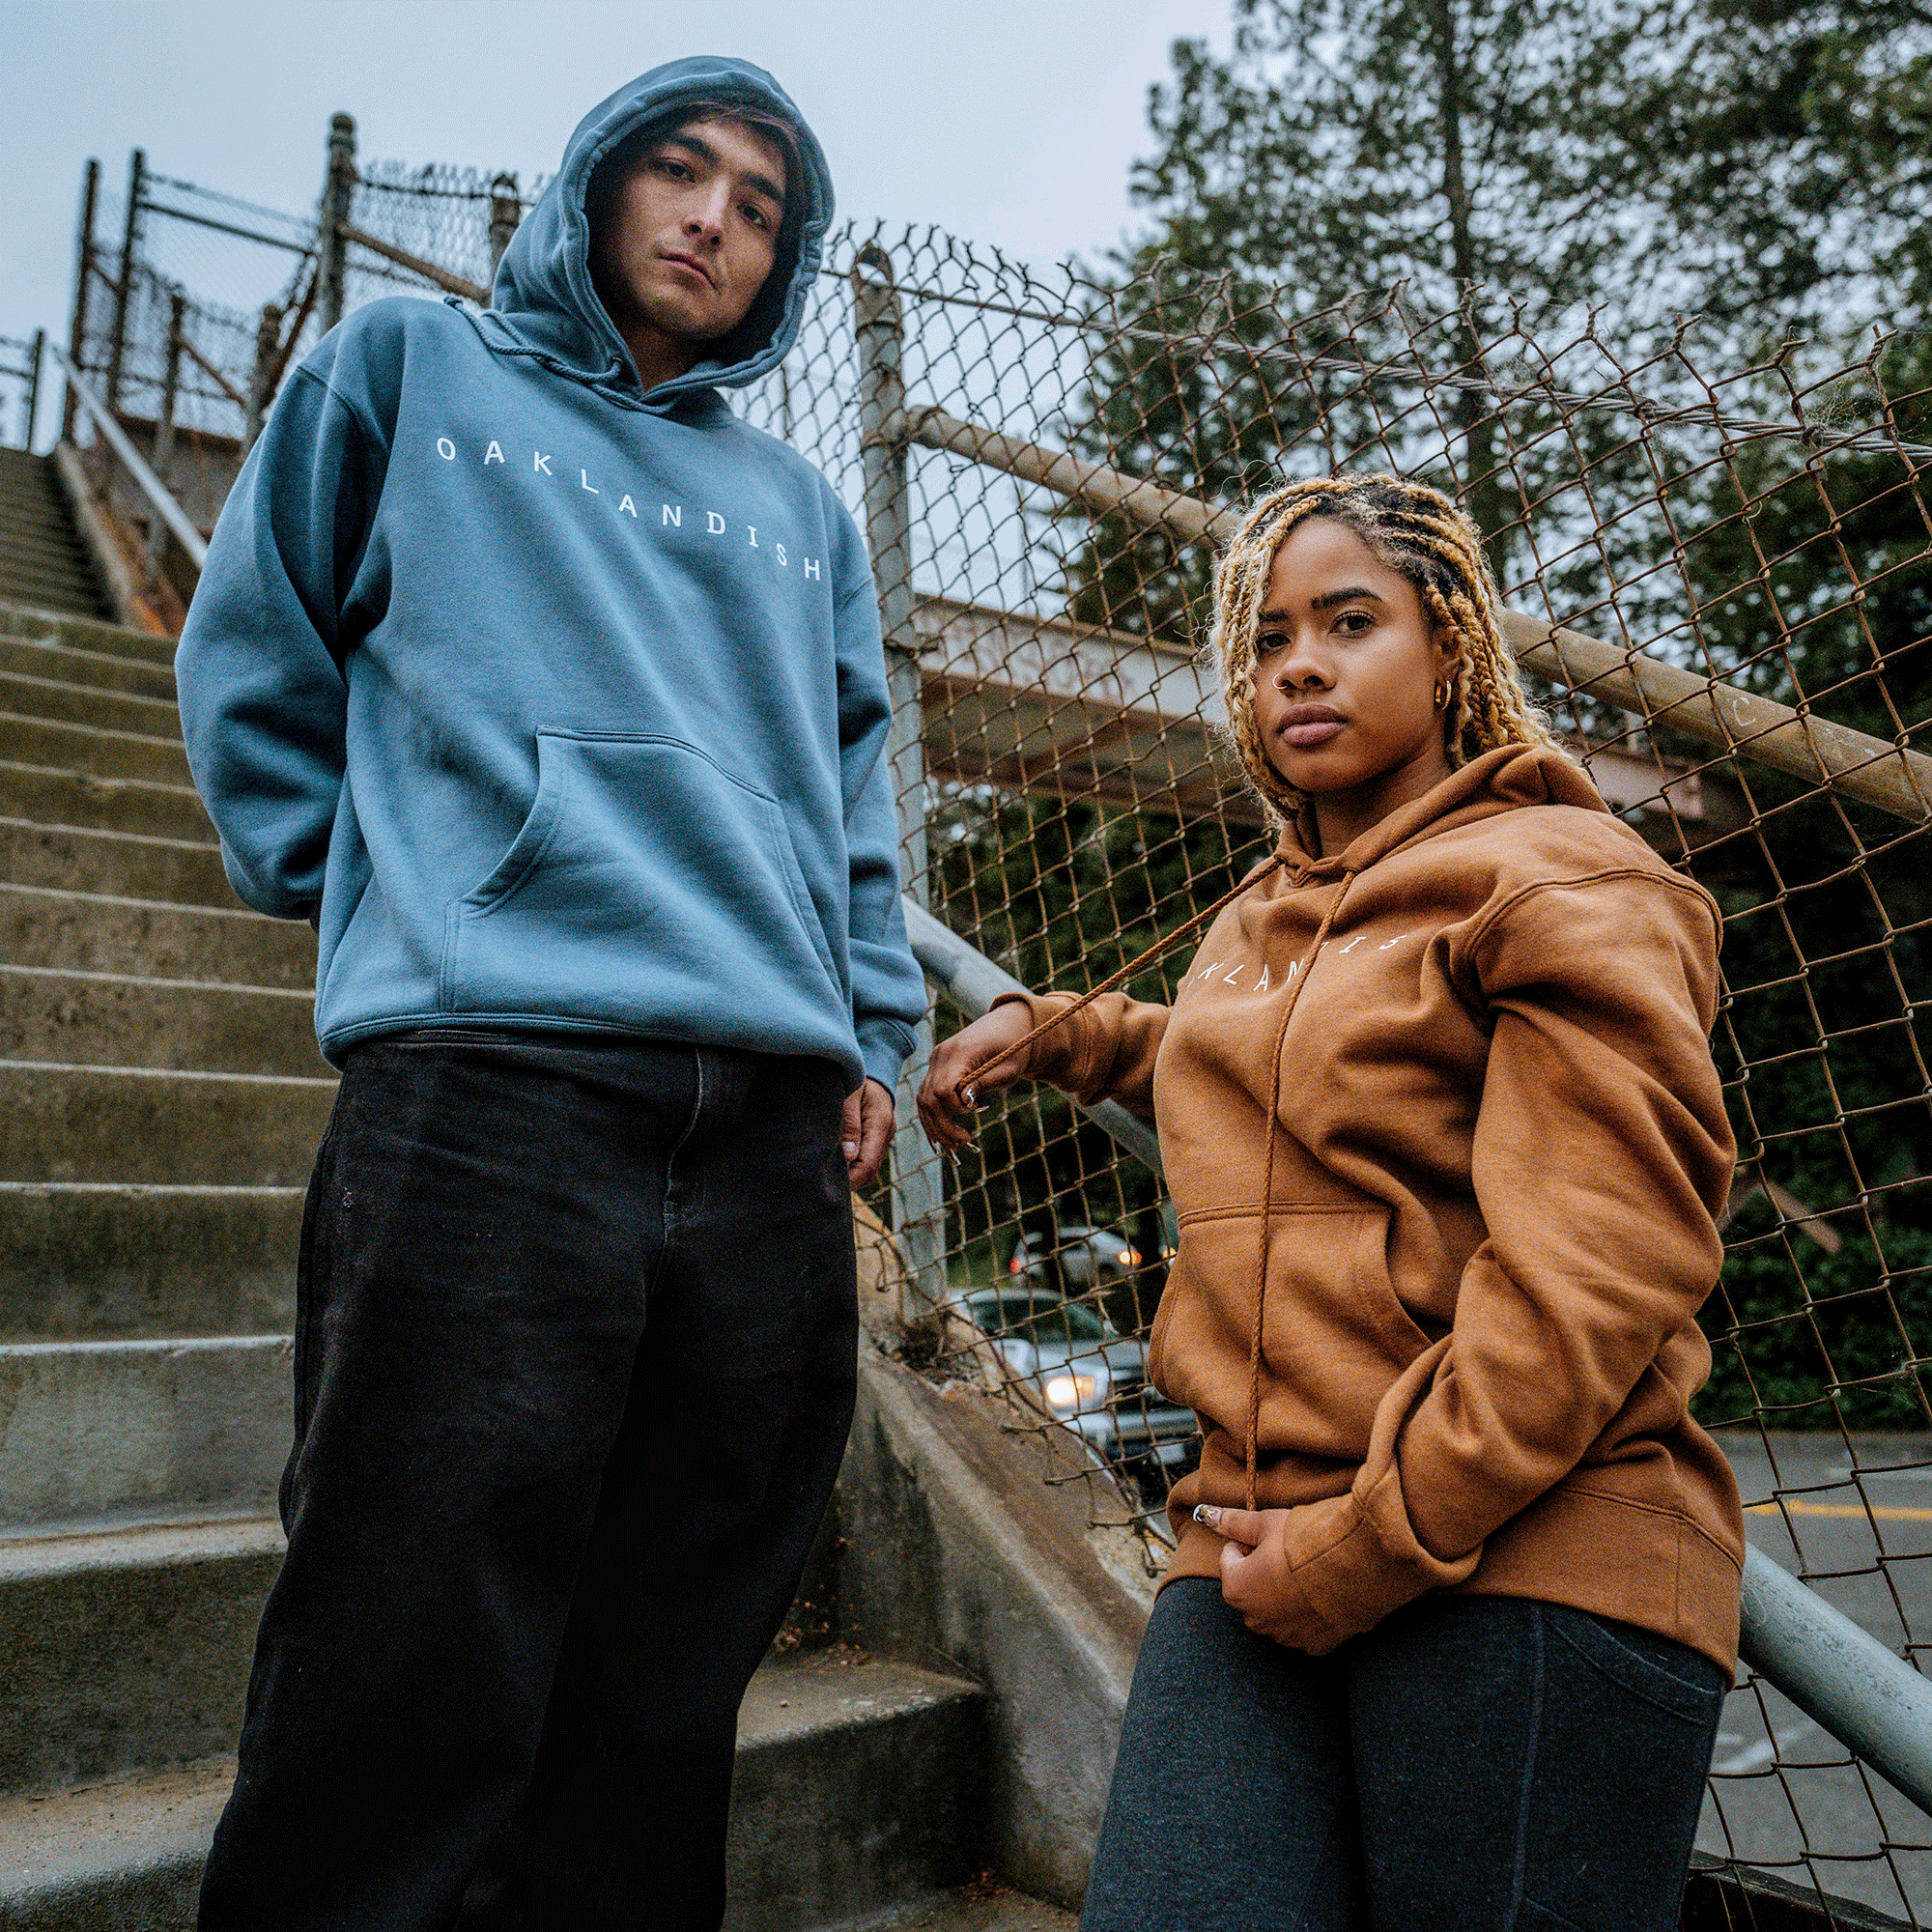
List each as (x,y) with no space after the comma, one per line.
(1012,122)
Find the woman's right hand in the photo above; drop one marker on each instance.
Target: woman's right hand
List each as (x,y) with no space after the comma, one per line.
(954,1086)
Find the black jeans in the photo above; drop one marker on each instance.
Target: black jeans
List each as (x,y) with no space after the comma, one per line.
(573,1373)
(1472,1764)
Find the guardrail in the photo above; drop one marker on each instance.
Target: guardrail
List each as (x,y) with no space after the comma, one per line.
(131,460)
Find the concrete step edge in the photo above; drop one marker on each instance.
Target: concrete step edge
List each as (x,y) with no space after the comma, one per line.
(31,622)
(37,825)
(93,671)
(157,1189)
(137,1545)
(107,731)
(121,901)
(43,1067)
(51,586)
(68,774)
(155,1346)
(168,713)
(44,543)
(25,556)
(14,611)
(305,995)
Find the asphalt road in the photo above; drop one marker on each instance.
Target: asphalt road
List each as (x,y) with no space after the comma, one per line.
(1785,1795)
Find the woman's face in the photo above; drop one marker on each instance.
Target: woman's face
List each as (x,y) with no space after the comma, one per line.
(1346,673)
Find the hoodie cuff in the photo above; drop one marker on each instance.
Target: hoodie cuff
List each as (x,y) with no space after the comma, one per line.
(884,1046)
(1355,1558)
(1060,1057)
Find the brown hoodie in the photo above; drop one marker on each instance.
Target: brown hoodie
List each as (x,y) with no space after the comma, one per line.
(1498,1149)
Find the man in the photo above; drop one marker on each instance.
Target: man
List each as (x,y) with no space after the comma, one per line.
(554,694)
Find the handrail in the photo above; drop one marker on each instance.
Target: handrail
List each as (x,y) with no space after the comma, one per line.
(1874,1703)
(973,983)
(1890,776)
(1870,1700)
(152,487)
(430,272)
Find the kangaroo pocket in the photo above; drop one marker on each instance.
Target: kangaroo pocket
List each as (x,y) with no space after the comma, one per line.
(1334,1333)
(647,885)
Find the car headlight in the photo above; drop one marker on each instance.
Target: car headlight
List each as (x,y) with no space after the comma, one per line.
(1068,1391)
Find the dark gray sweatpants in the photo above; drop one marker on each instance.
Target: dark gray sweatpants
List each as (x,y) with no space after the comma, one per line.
(1470,1764)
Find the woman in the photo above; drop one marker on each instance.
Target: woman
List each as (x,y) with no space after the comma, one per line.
(1455,1597)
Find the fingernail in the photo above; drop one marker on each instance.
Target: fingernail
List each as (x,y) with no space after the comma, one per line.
(851,1150)
(1208,1516)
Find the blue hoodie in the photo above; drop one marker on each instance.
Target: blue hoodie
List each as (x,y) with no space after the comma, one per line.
(553,702)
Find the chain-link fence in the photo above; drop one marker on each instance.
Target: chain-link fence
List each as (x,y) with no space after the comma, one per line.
(1744,544)
(21,363)
(1762,527)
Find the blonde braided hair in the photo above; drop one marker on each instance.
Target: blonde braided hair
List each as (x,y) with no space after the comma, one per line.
(1422,535)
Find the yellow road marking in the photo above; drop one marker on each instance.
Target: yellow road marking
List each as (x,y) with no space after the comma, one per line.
(1878,1511)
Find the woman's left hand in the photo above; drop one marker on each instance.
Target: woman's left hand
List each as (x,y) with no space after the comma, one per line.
(1257,1583)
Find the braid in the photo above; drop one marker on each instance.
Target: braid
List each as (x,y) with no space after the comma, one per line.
(1416,531)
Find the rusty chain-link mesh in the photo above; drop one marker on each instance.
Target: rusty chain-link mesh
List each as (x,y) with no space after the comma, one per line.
(1764,526)
(205,265)
(440,214)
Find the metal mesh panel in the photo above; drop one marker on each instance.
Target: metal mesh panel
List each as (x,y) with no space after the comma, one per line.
(1764,526)
(439,214)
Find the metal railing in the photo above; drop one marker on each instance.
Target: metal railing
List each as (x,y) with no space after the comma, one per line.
(27,373)
(151,486)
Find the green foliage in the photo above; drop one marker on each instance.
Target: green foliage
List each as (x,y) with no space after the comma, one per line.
(1818,1340)
(1811,585)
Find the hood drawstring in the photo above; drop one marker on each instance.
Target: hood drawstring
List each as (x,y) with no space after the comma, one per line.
(1132,967)
(1252,1454)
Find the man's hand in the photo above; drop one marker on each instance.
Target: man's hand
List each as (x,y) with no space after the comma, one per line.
(865,1130)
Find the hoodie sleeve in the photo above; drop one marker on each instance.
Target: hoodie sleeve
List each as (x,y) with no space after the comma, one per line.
(1602,1156)
(259,670)
(888,986)
(1105,1052)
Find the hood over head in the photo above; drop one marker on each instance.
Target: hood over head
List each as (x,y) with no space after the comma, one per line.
(544,303)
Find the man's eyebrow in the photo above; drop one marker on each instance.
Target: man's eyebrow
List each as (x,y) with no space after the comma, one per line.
(760,184)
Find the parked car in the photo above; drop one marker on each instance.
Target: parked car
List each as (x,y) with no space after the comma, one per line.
(1086,1373)
(1088,1257)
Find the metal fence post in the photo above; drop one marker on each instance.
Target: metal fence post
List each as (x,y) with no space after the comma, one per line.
(918,1180)
(164,427)
(84,279)
(123,289)
(268,348)
(338,189)
(31,408)
(506,212)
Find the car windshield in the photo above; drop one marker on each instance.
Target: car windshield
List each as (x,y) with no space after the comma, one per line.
(1049,1320)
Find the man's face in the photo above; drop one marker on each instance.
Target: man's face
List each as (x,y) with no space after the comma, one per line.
(686,238)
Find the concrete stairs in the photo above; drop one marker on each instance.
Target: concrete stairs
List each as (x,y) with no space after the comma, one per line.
(160,1100)
(43,561)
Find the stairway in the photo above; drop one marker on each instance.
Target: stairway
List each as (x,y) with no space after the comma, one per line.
(43,561)
(160,1100)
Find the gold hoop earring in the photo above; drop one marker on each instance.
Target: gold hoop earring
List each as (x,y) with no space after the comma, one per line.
(1442,695)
